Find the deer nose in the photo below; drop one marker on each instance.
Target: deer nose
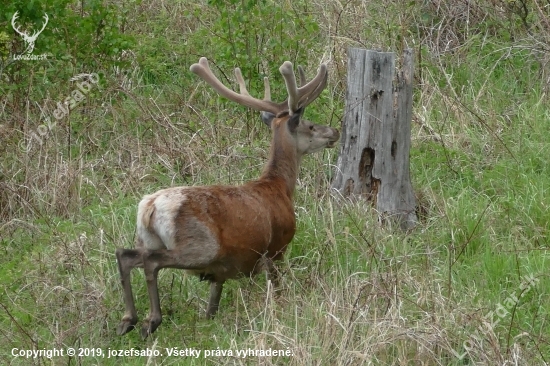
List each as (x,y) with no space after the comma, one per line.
(335,134)
(333,137)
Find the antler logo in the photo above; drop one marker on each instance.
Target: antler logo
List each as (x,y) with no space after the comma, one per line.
(29,39)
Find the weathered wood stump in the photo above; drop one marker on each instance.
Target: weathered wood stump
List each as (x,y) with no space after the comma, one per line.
(376,135)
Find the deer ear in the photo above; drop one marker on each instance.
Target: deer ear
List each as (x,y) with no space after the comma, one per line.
(294,120)
(267,117)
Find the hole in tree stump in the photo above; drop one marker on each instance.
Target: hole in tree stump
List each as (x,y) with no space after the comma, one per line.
(365,170)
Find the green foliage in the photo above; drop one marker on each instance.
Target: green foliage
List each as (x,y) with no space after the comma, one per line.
(4,41)
(79,37)
(256,36)
(88,34)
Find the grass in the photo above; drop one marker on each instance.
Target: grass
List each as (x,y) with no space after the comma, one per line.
(353,292)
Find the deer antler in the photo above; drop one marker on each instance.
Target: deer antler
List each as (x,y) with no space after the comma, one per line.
(304,95)
(202,69)
(297,97)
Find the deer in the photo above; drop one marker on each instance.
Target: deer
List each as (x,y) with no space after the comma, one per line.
(29,40)
(224,232)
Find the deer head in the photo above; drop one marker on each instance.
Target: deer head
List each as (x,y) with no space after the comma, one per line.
(29,40)
(308,137)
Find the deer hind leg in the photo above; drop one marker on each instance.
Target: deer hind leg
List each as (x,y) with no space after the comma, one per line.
(155,260)
(216,288)
(128,259)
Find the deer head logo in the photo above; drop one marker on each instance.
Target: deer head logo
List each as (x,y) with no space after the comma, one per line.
(29,40)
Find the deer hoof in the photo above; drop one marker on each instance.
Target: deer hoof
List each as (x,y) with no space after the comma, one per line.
(149,326)
(125,326)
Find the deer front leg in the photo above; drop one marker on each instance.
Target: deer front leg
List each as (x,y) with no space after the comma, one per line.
(214,300)
(273,273)
(126,260)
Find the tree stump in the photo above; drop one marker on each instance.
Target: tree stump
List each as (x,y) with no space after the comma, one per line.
(376,135)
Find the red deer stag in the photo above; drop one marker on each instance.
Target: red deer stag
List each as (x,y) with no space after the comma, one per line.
(223,232)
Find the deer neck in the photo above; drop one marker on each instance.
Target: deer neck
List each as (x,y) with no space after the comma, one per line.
(284,161)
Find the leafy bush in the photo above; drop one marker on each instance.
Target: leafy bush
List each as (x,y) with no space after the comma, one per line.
(85,36)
